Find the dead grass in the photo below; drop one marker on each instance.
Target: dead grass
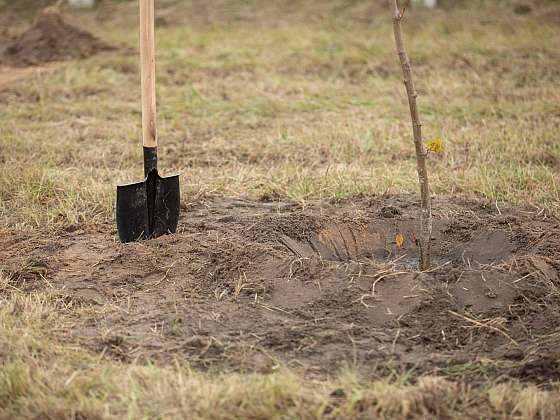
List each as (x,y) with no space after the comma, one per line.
(303,111)
(42,377)
(302,100)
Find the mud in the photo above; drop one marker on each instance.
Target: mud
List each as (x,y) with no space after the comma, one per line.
(257,286)
(51,38)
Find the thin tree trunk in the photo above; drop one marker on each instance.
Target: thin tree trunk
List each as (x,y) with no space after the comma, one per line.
(421,153)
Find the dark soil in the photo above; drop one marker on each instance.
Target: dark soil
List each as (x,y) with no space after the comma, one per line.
(254,286)
(50,38)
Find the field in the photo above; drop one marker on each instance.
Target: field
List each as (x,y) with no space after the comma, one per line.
(284,293)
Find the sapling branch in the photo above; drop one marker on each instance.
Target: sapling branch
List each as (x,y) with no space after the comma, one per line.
(421,153)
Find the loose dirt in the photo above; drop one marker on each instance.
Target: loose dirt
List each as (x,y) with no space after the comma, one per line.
(50,38)
(255,286)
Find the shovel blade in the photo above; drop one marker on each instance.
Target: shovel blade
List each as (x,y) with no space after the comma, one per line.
(148,209)
(167,205)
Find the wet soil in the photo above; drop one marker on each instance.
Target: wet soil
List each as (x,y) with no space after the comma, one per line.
(256,286)
(51,38)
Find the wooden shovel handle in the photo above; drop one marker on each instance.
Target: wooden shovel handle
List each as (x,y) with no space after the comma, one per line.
(148,73)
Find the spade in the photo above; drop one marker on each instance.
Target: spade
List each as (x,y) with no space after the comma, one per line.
(149,208)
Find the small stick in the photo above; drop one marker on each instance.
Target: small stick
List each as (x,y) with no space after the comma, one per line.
(524,277)
(394,344)
(383,277)
(482,325)
(437,268)
(421,153)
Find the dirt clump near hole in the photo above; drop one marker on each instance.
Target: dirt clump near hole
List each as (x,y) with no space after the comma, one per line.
(50,38)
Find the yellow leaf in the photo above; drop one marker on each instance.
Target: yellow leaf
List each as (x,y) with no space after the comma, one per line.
(435,145)
(399,240)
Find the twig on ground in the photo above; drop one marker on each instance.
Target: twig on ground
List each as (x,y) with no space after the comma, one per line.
(483,325)
(384,277)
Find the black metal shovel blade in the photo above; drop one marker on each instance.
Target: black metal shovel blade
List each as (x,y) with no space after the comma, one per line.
(148,209)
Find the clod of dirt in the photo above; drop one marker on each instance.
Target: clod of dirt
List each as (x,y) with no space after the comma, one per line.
(523,9)
(51,38)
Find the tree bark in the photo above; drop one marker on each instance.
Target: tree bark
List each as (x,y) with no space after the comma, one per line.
(421,153)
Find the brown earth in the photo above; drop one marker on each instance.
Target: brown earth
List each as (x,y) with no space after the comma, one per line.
(50,38)
(253,286)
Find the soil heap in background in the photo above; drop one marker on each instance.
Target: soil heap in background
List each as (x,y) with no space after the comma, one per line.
(50,38)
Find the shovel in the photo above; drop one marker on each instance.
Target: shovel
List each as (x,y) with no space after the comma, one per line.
(149,208)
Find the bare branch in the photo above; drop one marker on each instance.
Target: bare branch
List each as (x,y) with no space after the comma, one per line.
(421,153)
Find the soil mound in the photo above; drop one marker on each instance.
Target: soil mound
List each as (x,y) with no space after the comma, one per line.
(51,38)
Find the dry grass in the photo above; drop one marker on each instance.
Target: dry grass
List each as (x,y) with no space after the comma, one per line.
(302,100)
(42,377)
(300,110)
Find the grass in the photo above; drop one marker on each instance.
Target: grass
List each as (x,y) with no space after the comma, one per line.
(304,111)
(44,378)
(299,102)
